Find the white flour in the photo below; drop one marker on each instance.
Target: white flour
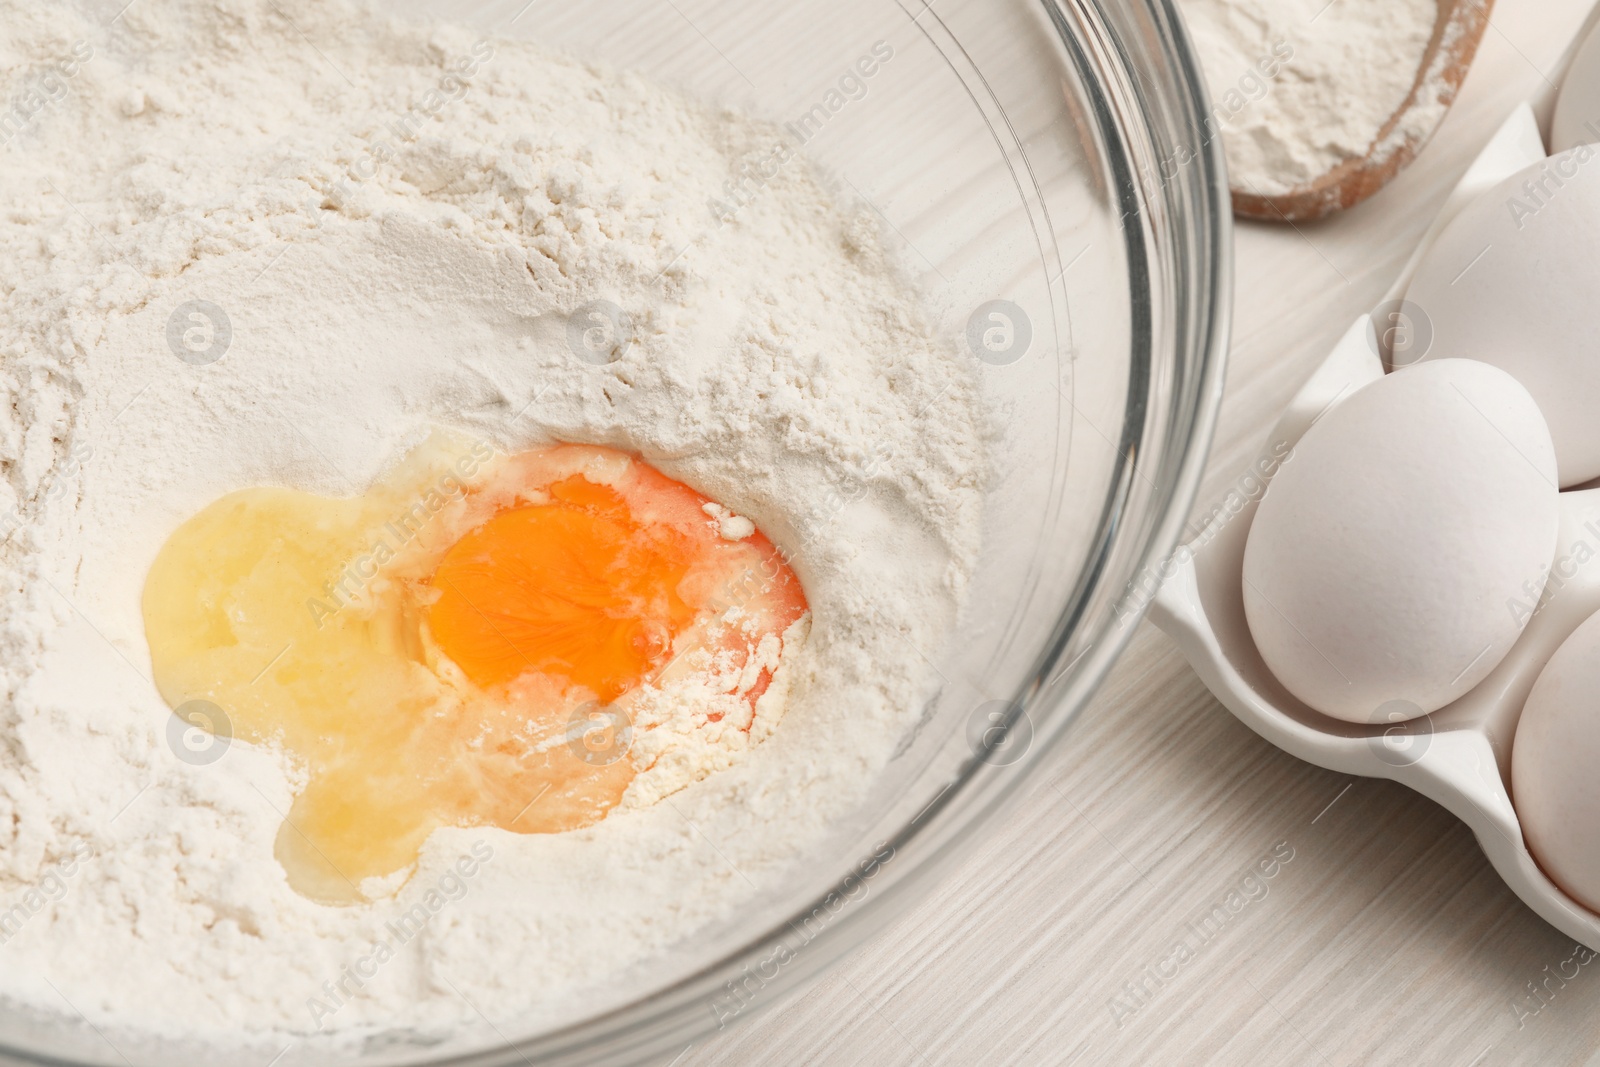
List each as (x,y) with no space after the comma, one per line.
(396,224)
(1301,86)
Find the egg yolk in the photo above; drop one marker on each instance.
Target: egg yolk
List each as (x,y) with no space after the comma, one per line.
(460,646)
(577,587)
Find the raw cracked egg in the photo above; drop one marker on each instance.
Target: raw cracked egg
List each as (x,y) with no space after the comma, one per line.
(477,640)
(1553,758)
(1506,284)
(1381,564)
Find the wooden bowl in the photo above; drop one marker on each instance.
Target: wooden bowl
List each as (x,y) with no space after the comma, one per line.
(1456,35)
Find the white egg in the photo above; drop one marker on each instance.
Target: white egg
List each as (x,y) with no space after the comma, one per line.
(1554,786)
(1385,561)
(1514,280)
(1577,114)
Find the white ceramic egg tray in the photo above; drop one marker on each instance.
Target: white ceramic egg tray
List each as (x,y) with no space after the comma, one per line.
(1460,756)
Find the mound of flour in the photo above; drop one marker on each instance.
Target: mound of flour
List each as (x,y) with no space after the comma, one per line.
(253,242)
(1301,86)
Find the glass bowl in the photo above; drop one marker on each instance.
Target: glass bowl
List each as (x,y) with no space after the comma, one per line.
(1046,165)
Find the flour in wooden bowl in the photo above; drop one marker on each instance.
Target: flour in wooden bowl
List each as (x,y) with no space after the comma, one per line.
(1299,87)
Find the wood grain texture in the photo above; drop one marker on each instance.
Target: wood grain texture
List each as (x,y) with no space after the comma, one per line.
(1386,939)
(1456,34)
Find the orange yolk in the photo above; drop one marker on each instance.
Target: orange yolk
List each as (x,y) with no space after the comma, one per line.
(467,644)
(576,588)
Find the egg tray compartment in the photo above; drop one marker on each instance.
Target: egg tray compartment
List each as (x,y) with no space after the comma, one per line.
(1460,755)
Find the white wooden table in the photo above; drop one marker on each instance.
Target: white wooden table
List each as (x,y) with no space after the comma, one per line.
(1385,939)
